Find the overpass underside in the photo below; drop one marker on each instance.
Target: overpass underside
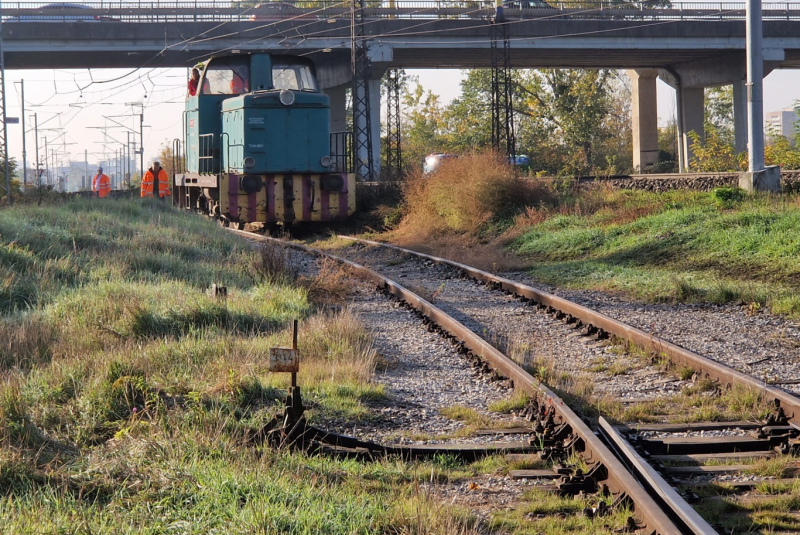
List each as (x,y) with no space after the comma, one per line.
(688,54)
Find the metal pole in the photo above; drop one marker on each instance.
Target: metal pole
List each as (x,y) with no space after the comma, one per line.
(755,80)
(85,168)
(5,129)
(24,152)
(46,163)
(141,142)
(36,133)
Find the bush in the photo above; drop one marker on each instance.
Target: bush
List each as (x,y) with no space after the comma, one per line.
(728,196)
(467,195)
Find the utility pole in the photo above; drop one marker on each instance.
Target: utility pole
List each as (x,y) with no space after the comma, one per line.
(86,168)
(757,178)
(46,163)
(24,152)
(755,76)
(4,142)
(36,134)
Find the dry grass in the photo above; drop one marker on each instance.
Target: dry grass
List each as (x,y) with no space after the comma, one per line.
(466,196)
(273,264)
(332,284)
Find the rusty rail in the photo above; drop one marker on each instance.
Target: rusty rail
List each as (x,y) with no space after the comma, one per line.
(619,480)
(678,355)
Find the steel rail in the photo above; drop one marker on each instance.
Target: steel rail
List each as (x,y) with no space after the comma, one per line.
(653,480)
(620,481)
(678,355)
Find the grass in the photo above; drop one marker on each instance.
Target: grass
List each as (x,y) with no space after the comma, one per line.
(668,247)
(129,395)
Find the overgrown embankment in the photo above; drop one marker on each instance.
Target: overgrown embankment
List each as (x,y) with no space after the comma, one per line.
(718,246)
(130,398)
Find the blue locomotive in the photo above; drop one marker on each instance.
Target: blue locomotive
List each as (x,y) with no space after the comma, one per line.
(259,147)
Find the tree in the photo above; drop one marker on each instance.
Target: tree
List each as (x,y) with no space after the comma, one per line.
(718,104)
(422,125)
(469,117)
(573,106)
(167,159)
(15,184)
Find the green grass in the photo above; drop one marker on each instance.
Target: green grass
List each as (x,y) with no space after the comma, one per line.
(676,247)
(130,398)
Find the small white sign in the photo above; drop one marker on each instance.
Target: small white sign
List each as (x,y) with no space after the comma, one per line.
(284,359)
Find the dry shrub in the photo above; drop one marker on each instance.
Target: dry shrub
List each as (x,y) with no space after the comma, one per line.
(331,285)
(273,264)
(465,196)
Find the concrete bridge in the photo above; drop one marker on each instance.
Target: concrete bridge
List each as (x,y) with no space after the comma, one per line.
(689,45)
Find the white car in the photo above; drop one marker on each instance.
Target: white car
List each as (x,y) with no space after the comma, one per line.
(433,161)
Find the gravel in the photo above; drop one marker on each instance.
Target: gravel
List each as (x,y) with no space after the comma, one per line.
(518,328)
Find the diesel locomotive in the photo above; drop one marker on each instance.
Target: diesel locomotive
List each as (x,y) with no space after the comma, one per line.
(258,146)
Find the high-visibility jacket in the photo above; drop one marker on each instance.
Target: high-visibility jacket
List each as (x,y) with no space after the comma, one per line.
(101,184)
(163,184)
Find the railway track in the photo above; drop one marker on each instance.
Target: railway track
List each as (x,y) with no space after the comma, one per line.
(623,461)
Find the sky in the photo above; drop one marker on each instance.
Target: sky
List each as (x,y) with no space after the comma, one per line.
(82,110)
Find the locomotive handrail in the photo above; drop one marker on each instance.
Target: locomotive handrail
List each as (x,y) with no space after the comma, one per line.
(205,153)
(223,164)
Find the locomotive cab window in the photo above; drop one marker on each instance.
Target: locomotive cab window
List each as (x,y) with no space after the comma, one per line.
(227,77)
(293,76)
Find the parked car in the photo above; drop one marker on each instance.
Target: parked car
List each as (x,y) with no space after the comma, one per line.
(279,11)
(57,15)
(433,161)
(520,160)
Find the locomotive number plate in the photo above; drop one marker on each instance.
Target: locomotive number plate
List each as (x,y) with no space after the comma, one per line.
(284,359)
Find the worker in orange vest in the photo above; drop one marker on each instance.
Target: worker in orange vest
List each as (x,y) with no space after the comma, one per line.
(155,173)
(101,184)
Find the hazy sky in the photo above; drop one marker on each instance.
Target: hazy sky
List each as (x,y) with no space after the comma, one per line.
(79,110)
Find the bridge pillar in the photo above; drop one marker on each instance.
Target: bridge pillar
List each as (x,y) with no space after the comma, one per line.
(691,113)
(644,114)
(740,115)
(338,109)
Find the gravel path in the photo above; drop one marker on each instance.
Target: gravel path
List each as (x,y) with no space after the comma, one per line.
(759,344)
(526,332)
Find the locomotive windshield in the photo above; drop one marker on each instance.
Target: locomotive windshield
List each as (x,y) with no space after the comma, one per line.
(295,76)
(231,77)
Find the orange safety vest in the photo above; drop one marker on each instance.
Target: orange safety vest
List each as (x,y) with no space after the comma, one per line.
(101,185)
(163,184)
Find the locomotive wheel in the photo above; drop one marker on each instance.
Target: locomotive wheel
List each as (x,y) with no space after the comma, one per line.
(238,226)
(223,222)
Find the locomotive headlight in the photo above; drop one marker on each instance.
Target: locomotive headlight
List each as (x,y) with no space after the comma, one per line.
(251,183)
(287,97)
(325,161)
(249,161)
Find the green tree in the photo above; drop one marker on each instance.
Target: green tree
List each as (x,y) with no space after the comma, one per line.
(573,105)
(718,104)
(421,125)
(15,183)
(469,117)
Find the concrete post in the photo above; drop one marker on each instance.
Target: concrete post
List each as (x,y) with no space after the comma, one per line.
(757,177)
(692,111)
(740,116)
(644,114)
(338,110)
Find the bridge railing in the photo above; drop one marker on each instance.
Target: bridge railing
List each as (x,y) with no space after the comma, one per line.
(308,11)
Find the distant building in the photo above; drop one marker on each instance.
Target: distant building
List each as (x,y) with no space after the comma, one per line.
(781,123)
